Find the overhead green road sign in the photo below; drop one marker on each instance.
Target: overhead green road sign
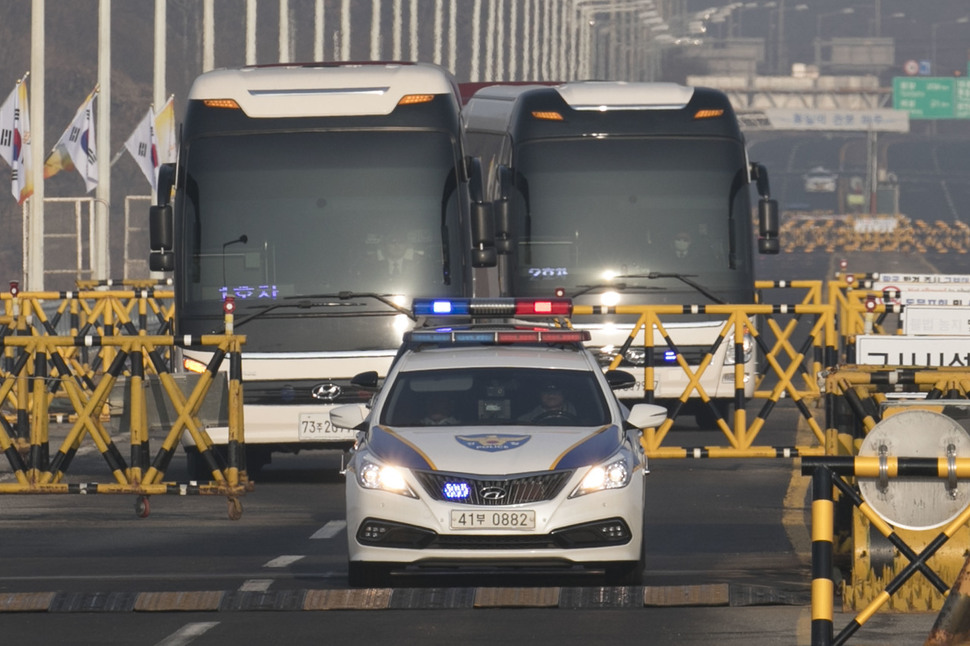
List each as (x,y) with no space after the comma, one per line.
(961,98)
(932,97)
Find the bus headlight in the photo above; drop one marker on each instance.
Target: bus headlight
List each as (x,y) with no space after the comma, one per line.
(634,356)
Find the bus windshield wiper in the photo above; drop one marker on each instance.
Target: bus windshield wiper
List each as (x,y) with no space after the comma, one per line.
(684,278)
(620,287)
(310,301)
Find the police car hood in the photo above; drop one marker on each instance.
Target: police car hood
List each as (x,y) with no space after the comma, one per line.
(495,450)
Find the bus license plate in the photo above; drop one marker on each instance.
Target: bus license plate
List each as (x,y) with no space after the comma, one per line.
(317,426)
(520,519)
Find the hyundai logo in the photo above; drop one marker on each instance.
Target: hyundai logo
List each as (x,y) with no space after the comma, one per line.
(325,392)
(493,493)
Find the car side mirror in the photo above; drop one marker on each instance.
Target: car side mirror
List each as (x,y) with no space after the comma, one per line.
(620,379)
(348,415)
(367,380)
(647,415)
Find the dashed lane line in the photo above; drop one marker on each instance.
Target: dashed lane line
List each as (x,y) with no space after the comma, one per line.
(283,561)
(188,633)
(330,530)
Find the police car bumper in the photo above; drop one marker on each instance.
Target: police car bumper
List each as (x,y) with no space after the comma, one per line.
(598,527)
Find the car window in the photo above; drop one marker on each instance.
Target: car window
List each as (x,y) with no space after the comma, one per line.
(494,396)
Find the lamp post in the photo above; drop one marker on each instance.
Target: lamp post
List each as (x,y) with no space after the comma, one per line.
(818,20)
(615,41)
(818,30)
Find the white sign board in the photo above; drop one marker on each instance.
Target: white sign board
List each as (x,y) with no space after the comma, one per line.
(878,119)
(922,320)
(926,289)
(917,351)
(874,225)
(948,280)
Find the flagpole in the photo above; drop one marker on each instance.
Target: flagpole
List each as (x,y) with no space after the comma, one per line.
(100,241)
(34,206)
(158,80)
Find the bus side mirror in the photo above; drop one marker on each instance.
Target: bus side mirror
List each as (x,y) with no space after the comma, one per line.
(483,227)
(503,237)
(161,235)
(166,181)
(760,175)
(483,236)
(768,226)
(500,208)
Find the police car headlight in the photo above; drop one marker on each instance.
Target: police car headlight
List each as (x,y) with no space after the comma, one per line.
(372,475)
(748,349)
(614,474)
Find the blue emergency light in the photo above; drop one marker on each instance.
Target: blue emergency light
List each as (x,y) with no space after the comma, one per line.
(492,307)
(456,490)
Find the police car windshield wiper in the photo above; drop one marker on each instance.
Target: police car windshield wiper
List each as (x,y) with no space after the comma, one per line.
(620,287)
(311,301)
(684,278)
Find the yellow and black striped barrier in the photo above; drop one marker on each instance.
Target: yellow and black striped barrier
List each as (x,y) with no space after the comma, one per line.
(823,232)
(856,402)
(828,473)
(140,310)
(804,362)
(27,447)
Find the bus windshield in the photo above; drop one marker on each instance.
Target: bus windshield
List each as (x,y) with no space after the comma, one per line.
(593,208)
(279,214)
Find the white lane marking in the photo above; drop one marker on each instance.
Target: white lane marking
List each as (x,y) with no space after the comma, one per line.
(187,633)
(256,585)
(283,561)
(330,530)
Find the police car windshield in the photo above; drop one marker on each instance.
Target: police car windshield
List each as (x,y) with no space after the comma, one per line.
(495,396)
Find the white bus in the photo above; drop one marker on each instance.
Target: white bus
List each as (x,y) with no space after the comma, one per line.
(322,198)
(627,194)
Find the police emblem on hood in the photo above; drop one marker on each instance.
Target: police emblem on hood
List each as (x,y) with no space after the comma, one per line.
(492,441)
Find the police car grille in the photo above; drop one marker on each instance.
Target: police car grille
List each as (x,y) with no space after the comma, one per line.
(487,542)
(515,490)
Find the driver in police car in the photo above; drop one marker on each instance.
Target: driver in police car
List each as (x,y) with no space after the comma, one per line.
(552,403)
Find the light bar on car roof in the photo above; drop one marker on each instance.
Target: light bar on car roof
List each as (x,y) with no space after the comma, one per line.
(499,336)
(492,307)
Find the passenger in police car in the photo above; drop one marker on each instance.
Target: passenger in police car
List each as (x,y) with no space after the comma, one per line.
(552,405)
(439,411)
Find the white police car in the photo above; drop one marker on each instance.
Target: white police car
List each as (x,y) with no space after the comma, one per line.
(496,446)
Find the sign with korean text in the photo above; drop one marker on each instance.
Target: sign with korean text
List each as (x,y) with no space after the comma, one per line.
(925,289)
(921,351)
(929,320)
(932,97)
(879,119)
